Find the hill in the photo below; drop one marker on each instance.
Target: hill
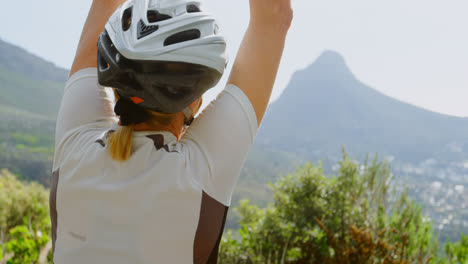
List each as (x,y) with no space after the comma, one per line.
(29,85)
(326,107)
(21,61)
(30,93)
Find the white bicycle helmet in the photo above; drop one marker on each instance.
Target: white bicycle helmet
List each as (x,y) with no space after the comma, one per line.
(161,54)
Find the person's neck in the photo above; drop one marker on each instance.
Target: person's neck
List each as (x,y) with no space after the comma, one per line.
(175,127)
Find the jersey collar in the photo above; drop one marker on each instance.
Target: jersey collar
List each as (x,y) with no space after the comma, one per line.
(168,136)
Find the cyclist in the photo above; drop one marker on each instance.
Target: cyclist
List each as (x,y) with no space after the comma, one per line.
(134,179)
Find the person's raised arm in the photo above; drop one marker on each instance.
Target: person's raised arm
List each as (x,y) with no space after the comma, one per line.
(84,101)
(256,65)
(86,54)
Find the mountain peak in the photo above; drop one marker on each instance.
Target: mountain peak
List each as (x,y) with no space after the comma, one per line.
(330,65)
(331,57)
(331,61)
(326,107)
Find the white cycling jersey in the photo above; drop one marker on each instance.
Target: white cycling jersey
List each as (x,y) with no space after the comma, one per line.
(167,203)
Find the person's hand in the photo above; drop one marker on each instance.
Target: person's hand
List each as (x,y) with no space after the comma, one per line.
(271,14)
(259,56)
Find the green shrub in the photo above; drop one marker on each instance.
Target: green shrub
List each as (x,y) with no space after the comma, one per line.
(456,252)
(350,217)
(24,219)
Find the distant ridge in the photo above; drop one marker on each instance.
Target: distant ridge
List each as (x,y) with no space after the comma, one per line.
(325,107)
(29,84)
(21,61)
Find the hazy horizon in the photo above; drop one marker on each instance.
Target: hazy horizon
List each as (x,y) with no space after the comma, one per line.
(413,51)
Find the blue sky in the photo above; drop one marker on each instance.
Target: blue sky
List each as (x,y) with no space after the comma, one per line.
(413,50)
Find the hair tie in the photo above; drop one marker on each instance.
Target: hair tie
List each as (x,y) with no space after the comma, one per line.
(130,113)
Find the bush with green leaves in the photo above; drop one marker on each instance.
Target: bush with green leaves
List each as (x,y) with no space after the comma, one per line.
(350,217)
(24,220)
(456,252)
(24,245)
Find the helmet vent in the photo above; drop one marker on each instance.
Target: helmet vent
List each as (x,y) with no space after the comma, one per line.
(182,36)
(154,16)
(127,18)
(193,8)
(144,30)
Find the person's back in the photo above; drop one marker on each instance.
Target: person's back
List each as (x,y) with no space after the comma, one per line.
(167,201)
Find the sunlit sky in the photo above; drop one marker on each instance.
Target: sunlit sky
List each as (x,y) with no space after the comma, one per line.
(413,50)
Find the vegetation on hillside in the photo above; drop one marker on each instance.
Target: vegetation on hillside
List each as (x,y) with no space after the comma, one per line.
(352,217)
(24,221)
(27,147)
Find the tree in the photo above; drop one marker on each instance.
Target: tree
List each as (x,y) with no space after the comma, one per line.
(456,252)
(350,217)
(24,219)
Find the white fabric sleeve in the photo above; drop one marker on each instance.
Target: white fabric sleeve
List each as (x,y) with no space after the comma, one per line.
(84,103)
(221,138)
